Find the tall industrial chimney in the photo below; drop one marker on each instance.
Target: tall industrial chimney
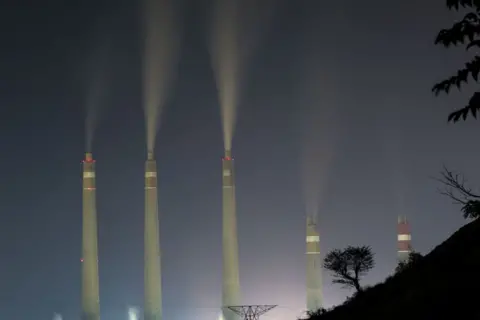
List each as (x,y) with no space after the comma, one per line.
(404,239)
(90,291)
(314,267)
(153,287)
(231,281)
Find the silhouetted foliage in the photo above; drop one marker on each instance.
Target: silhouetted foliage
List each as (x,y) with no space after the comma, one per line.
(413,258)
(349,265)
(465,32)
(456,189)
(316,313)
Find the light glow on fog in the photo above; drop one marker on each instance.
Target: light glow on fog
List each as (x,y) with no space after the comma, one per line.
(132,313)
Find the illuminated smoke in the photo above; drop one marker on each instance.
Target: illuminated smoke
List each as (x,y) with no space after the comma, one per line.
(133,313)
(96,89)
(317,155)
(161,46)
(319,95)
(94,101)
(236,30)
(226,65)
(320,131)
(57,316)
(394,146)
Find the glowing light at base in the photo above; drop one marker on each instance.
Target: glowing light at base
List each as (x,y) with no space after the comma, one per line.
(133,313)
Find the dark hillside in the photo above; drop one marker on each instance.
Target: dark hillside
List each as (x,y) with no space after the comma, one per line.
(445,284)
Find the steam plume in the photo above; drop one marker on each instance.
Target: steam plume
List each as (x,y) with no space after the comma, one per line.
(97,78)
(236,30)
(319,140)
(319,95)
(318,153)
(161,46)
(394,145)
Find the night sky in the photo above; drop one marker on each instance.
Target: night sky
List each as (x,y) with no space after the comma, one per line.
(377,60)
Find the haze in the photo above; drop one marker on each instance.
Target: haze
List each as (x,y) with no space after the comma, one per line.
(377,60)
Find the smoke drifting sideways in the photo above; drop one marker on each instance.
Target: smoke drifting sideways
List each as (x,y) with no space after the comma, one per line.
(161,36)
(318,147)
(97,78)
(237,28)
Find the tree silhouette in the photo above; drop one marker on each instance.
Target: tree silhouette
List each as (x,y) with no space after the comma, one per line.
(465,32)
(413,259)
(349,265)
(456,189)
(317,313)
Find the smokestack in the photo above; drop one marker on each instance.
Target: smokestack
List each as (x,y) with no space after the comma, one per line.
(231,281)
(153,288)
(314,267)
(404,239)
(90,291)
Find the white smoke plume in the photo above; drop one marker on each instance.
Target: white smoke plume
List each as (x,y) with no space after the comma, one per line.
(160,56)
(317,156)
(394,148)
(97,78)
(319,97)
(236,30)
(57,316)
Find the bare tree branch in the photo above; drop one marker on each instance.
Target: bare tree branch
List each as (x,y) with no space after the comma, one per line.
(456,182)
(455,187)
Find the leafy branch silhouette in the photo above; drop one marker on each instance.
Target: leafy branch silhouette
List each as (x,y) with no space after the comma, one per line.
(465,32)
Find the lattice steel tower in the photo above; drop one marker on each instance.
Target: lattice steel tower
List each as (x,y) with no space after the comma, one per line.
(252,312)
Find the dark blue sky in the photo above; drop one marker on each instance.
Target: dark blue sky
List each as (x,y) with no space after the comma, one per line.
(379,61)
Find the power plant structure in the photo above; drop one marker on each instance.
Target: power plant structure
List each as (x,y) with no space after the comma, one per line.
(89,260)
(231,278)
(404,239)
(153,287)
(152,271)
(314,267)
